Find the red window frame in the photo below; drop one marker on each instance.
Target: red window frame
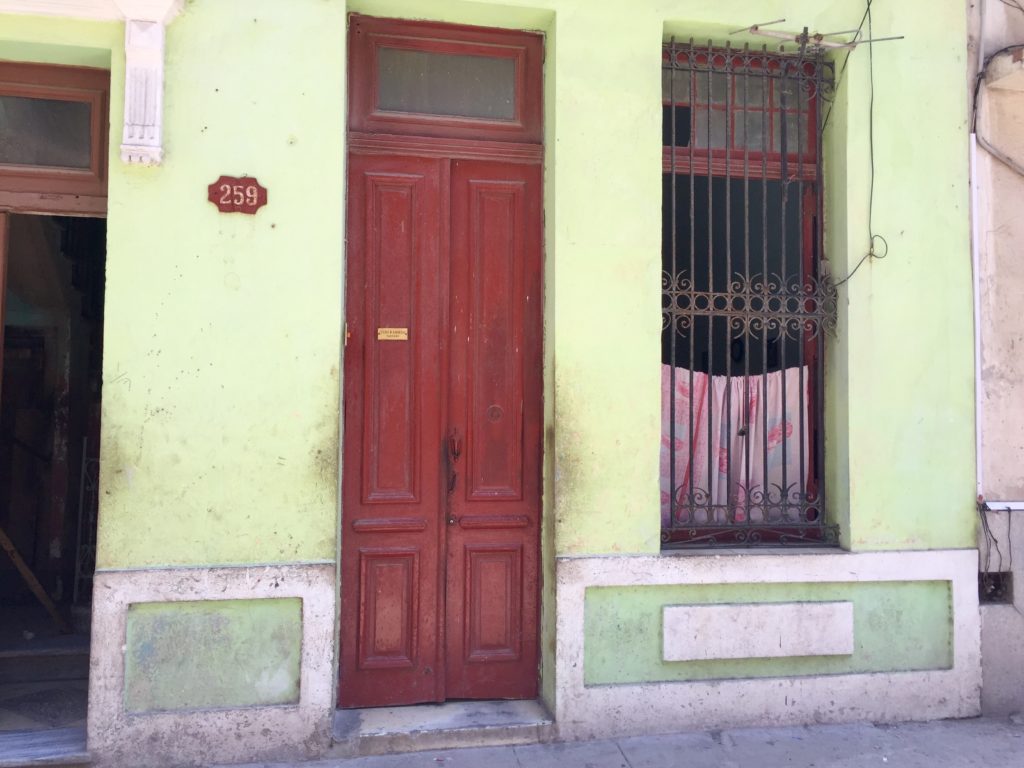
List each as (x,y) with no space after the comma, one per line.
(368,34)
(21,185)
(717,161)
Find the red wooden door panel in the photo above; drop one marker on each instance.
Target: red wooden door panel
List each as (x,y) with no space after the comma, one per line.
(441,488)
(391,491)
(495,424)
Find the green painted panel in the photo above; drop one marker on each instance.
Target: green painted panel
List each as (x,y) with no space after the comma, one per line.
(898,626)
(212,654)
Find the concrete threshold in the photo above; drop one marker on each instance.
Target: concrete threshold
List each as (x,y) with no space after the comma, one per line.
(54,747)
(452,725)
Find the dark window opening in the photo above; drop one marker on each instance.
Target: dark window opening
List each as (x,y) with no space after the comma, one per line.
(745,308)
(675,128)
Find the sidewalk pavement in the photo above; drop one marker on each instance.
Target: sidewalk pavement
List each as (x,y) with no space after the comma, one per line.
(977,743)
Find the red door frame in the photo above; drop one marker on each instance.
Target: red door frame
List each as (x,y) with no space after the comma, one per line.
(423,151)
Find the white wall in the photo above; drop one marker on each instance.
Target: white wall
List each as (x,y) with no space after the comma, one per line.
(999,222)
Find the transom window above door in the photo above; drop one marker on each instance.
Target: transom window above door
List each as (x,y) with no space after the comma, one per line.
(53,136)
(445,81)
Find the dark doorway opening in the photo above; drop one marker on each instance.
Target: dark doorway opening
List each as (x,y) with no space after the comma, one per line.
(49,465)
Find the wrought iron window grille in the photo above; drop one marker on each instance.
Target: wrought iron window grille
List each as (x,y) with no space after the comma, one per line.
(746,299)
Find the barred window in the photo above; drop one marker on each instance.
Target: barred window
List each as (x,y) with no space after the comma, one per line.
(745,307)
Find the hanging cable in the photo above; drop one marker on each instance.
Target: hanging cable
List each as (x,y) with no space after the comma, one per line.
(1015,4)
(997,153)
(873,236)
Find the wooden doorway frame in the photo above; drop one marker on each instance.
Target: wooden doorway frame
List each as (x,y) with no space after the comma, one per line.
(46,190)
(375,132)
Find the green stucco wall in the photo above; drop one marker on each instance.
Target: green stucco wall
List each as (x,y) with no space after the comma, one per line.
(223,336)
(221,364)
(900,441)
(212,654)
(901,393)
(223,332)
(897,627)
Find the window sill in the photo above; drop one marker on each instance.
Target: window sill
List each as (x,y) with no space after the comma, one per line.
(751,551)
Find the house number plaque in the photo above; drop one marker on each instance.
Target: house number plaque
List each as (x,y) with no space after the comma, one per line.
(232,194)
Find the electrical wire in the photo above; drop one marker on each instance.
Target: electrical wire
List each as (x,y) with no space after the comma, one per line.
(981,76)
(1012,4)
(873,236)
(991,542)
(997,153)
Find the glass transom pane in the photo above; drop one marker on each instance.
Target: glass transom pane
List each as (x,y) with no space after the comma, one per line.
(457,85)
(46,132)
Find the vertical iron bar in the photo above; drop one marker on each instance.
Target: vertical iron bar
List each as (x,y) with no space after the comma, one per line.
(783,279)
(745,320)
(800,146)
(727,341)
(691,75)
(766,127)
(673,278)
(819,373)
(711,287)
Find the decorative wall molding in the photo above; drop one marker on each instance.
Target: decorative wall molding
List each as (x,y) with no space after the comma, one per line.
(145,22)
(582,711)
(142,137)
(157,739)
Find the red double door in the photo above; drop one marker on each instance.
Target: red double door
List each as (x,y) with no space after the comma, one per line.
(443,429)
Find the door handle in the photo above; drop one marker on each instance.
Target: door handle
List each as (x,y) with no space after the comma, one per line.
(451,448)
(452,519)
(452,458)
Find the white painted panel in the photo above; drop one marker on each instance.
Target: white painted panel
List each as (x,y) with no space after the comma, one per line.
(756,631)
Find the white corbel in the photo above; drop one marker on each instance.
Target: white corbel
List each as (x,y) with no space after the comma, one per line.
(144,25)
(142,139)
(144,33)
